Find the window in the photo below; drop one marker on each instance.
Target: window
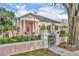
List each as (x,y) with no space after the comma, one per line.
(43,27)
(62,33)
(49,28)
(56,27)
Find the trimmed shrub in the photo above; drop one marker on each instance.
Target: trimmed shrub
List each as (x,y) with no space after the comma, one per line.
(38,37)
(6,40)
(18,39)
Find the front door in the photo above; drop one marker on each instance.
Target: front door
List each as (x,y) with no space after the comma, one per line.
(29,27)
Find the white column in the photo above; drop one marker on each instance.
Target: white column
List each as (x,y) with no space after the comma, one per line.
(33,26)
(57,38)
(23,26)
(38,28)
(20,27)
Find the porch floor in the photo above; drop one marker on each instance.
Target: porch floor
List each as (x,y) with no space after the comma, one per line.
(63,52)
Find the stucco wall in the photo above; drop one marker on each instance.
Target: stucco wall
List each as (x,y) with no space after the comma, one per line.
(14,48)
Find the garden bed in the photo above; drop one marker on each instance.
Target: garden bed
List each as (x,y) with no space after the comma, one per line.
(66,46)
(7,40)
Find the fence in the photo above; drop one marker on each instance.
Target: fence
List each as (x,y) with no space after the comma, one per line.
(51,40)
(24,44)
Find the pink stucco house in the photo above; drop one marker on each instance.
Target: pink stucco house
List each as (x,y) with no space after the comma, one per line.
(30,23)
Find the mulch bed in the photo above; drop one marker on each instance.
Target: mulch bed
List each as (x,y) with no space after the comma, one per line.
(66,46)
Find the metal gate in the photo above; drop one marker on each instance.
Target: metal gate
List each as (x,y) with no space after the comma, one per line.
(51,41)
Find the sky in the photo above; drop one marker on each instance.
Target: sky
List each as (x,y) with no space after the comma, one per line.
(57,11)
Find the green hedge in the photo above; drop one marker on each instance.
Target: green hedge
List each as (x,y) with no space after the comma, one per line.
(19,39)
(6,40)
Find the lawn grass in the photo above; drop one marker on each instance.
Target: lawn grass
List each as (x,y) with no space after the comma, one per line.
(40,52)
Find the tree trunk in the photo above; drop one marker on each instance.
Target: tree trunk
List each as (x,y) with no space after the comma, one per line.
(12,33)
(73,16)
(6,34)
(17,33)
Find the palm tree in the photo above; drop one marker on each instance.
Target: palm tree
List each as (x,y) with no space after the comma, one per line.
(73,20)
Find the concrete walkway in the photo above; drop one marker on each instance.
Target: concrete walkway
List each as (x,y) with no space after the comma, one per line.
(64,52)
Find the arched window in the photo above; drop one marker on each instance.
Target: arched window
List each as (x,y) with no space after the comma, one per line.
(56,27)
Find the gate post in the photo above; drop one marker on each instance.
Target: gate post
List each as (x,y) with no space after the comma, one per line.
(57,38)
(44,37)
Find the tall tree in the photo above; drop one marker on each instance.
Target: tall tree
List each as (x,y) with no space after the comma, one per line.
(73,21)
(6,20)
